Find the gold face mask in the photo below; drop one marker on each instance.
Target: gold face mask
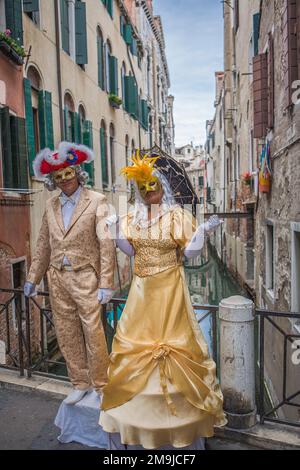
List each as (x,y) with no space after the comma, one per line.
(146,186)
(64,174)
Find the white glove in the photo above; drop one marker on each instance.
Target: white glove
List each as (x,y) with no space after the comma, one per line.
(212,224)
(195,246)
(29,289)
(104,295)
(121,240)
(112,219)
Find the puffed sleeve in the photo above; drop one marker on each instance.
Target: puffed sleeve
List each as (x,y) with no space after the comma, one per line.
(125,227)
(183,226)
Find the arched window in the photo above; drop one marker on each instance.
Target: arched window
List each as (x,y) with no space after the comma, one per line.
(103,151)
(38,111)
(69,117)
(108,53)
(100,58)
(132,147)
(123,75)
(112,153)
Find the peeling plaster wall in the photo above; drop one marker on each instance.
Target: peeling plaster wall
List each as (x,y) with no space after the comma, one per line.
(281,207)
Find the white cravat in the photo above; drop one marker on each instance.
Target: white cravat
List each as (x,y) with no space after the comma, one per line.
(68,205)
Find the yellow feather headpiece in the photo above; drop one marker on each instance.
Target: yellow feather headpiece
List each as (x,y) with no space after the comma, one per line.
(142,169)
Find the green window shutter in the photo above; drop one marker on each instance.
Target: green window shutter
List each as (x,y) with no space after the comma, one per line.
(140,117)
(42,119)
(13,13)
(68,136)
(19,152)
(73,127)
(81,34)
(128,34)
(65,33)
(45,120)
(29,6)
(7,167)
(29,124)
(131,98)
(145,114)
(113,72)
(104,168)
(49,120)
(88,141)
(256,22)
(76,128)
(100,62)
(122,25)
(109,6)
(133,46)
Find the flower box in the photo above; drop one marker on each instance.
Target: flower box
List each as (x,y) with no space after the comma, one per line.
(115,101)
(7,50)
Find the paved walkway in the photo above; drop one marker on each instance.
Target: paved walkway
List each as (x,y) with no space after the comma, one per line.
(27,418)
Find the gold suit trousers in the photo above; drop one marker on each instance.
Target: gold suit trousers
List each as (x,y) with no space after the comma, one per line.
(79,329)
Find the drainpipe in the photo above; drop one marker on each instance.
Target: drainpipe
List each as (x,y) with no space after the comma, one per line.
(59,84)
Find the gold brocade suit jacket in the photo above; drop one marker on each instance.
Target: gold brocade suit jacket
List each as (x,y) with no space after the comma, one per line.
(85,242)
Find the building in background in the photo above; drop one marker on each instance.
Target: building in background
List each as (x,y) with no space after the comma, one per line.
(193,159)
(256,127)
(14,183)
(96,73)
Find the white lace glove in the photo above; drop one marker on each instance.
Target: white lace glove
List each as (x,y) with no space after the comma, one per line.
(212,224)
(113,222)
(195,246)
(104,295)
(29,289)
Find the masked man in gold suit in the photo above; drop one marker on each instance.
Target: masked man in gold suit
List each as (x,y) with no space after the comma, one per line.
(76,250)
(162,390)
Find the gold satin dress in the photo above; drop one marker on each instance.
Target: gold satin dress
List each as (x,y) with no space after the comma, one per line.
(162,387)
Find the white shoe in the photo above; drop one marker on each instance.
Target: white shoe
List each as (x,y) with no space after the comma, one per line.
(75,396)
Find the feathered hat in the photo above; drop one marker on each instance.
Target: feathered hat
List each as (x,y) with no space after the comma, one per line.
(67,154)
(142,169)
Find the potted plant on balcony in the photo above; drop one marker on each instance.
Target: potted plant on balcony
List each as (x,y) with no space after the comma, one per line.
(247,178)
(114,100)
(11,48)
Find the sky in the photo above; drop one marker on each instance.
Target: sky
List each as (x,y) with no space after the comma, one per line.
(193,31)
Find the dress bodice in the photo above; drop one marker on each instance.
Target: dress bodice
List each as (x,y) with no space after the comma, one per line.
(159,246)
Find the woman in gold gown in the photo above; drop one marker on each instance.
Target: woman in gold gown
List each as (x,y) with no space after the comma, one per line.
(162,388)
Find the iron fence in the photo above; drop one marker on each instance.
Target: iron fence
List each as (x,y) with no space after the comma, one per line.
(286,375)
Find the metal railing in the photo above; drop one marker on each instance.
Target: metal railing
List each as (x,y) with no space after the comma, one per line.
(32,361)
(287,399)
(26,358)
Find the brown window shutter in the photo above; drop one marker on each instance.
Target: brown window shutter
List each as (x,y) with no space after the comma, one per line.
(271,82)
(260,95)
(290,47)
